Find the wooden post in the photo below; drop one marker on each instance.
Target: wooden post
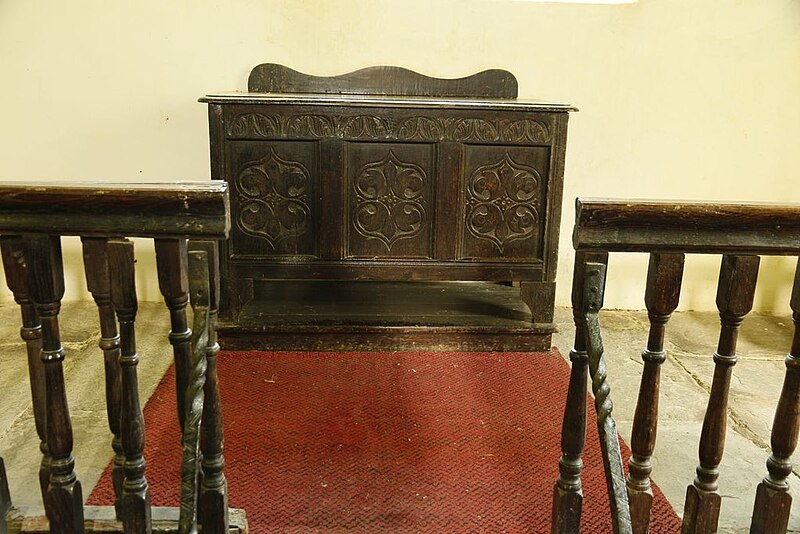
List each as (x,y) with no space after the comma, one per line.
(737,281)
(173,281)
(16,270)
(98,281)
(568,493)
(661,298)
(773,500)
(64,499)
(213,503)
(135,502)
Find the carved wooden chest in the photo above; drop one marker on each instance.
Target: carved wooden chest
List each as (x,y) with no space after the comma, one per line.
(340,188)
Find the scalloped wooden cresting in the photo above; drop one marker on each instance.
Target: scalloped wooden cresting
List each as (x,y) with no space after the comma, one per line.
(382,80)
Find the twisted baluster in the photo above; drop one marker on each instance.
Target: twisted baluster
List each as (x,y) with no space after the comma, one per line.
(737,281)
(135,501)
(64,498)
(98,281)
(594,284)
(213,502)
(773,500)
(31,332)
(664,276)
(195,395)
(568,493)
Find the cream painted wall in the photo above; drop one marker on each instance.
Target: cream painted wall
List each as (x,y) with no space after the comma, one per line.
(694,99)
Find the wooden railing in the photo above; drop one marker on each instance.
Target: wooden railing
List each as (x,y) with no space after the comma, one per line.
(185,221)
(667,230)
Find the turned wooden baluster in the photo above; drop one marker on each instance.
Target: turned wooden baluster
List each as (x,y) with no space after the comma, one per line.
(135,501)
(568,493)
(95,262)
(64,499)
(594,281)
(737,281)
(213,503)
(5,498)
(31,332)
(661,298)
(773,500)
(171,261)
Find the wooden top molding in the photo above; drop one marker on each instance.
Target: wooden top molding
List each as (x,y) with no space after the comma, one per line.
(191,209)
(382,80)
(679,226)
(381,101)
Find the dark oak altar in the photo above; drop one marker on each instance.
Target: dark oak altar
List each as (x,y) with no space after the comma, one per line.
(358,200)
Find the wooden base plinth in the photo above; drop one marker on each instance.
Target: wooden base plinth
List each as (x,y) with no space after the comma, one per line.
(382,316)
(566,515)
(700,511)
(100,520)
(771,510)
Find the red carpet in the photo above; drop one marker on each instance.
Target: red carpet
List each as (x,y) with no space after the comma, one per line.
(382,442)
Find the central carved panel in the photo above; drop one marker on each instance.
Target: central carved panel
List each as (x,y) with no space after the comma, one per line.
(390,201)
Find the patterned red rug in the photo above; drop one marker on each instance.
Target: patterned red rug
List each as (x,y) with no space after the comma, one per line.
(387,442)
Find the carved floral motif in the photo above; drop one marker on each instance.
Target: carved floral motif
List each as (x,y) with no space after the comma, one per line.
(501,200)
(421,128)
(390,201)
(247,125)
(363,126)
(274,199)
(524,130)
(308,126)
(474,130)
(255,125)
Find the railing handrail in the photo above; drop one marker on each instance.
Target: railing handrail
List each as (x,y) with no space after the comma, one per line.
(613,225)
(159,210)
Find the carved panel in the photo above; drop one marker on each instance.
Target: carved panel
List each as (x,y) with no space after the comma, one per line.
(274,192)
(503,202)
(390,200)
(419,128)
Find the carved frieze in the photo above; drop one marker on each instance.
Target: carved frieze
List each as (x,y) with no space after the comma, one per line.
(390,201)
(501,199)
(260,125)
(274,199)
